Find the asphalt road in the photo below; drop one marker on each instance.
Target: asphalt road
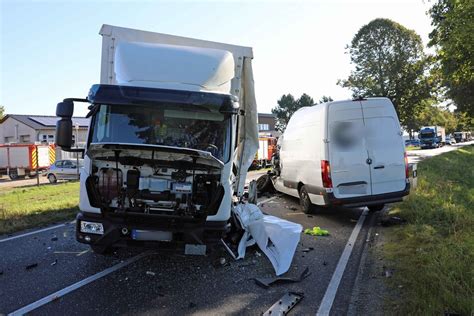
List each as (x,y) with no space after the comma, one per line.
(175,284)
(33,267)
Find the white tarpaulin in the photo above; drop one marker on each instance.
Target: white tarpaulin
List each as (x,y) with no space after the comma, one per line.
(276,237)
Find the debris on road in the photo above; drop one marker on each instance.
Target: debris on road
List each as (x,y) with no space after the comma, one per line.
(252,192)
(54,238)
(267,282)
(192,305)
(150,273)
(316,231)
(54,262)
(276,237)
(394,220)
(285,304)
(31,266)
(307,249)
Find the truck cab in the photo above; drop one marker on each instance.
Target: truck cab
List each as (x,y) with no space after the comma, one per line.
(432,137)
(172,134)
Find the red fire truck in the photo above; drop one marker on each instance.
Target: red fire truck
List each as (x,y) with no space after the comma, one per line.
(266,149)
(21,160)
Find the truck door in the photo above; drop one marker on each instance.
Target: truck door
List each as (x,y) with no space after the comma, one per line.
(348,157)
(385,146)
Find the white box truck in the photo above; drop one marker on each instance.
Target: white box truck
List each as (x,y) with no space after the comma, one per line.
(173,131)
(343,153)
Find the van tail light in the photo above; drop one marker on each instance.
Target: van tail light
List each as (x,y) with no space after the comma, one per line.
(407,172)
(326,174)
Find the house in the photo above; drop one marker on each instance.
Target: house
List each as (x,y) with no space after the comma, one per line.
(17,128)
(266,125)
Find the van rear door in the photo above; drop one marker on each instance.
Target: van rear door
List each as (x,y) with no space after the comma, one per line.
(350,171)
(385,146)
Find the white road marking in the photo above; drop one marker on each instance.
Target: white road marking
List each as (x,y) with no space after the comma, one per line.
(267,200)
(75,286)
(328,299)
(34,232)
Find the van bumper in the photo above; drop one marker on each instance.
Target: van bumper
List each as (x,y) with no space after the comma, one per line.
(391,197)
(118,231)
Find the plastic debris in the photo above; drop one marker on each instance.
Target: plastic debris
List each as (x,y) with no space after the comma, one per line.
(54,238)
(150,273)
(276,237)
(31,266)
(394,220)
(316,231)
(267,282)
(285,304)
(222,261)
(54,262)
(307,249)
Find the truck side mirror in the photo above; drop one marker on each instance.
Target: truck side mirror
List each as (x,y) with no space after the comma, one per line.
(65,109)
(64,133)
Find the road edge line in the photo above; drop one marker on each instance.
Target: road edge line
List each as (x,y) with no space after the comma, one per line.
(331,290)
(56,295)
(34,232)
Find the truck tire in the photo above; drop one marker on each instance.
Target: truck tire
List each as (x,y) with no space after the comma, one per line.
(13,175)
(264,184)
(376,207)
(52,178)
(306,205)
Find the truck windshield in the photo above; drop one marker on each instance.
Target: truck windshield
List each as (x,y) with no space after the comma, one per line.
(427,135)
(186,126)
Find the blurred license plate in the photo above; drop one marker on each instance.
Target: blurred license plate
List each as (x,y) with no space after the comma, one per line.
(154,235)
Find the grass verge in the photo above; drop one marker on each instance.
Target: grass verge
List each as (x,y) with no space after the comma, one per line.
(22,208)
(412,147)
(433,254)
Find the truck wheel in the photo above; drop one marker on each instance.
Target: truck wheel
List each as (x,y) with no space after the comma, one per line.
(264,183)
(376,207)
(52,178)
(305,201)
(13,175)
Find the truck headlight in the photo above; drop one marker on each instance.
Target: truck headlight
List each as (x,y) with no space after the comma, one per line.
(92,228)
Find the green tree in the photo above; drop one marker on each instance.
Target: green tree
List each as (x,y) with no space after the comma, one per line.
(287,105)
(2,111)
(431,114)
(325,99)
(453,37)
(390,62)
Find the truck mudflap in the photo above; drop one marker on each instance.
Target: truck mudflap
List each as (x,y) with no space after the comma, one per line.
(124,231)
(367,200)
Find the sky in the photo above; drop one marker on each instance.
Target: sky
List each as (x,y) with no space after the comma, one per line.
(50,50)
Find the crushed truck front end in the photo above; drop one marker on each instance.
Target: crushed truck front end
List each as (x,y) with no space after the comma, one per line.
(156,170)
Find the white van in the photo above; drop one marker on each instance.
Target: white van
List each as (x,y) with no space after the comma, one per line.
(344,153)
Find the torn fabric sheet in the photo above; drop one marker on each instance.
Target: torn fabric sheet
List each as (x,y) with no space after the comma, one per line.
(276,237)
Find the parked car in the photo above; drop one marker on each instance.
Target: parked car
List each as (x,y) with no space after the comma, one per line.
(450,140)
(412,142)
(63,170)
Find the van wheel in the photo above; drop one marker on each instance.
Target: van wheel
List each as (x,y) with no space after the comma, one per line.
(376,207)
(52,178)
(305,201)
